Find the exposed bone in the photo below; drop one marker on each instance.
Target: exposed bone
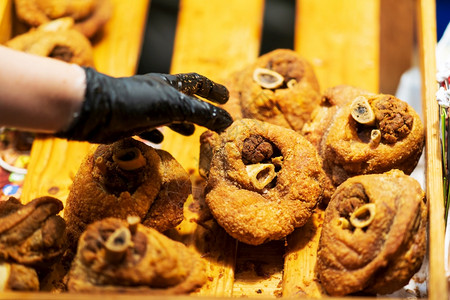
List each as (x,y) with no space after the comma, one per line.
(343,223)
(133,222)
(375,137)
(362,112)
(268,79)
(291,83)
(129,159)
(261,174)
(117,244)
(363,215)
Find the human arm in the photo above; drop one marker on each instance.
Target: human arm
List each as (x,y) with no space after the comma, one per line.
(83,104)
(38,93)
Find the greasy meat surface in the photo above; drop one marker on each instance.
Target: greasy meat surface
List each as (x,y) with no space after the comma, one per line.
(347,147)
(263,182)
(374,234)
(15,277)
(115,256)
(89,15)
(393,118)
(56,39)
(31,234)
(123,178)
(288,105)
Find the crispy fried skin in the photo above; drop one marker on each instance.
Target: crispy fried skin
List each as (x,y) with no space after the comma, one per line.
(253,215)
(289,107)
(381,257)
(155,192)
(152,263)
(32,234)
(346,148)
(89,15)
(55,41)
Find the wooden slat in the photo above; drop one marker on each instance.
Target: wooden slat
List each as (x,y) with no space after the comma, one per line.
(341,39)
(5,20)
(54,162)
(213,38)
(437,286)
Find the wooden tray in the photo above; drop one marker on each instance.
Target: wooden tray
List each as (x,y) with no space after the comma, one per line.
(364,43)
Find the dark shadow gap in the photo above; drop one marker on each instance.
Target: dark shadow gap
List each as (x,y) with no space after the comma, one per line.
(157,47)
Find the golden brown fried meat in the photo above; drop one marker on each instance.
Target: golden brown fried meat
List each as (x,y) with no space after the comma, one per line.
(56,39)
(357,132)
(127,178)
(89,15)
(32,234)
(394,140)
(119,256)
(374,234)
(264,180)
(280,88)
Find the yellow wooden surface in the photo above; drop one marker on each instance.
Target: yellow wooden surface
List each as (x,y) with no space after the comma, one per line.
(434,188)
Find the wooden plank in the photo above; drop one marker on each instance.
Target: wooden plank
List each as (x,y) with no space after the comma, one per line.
(213,38)
(54,162)
(396,42)
(341,39)
(437,285)
(300,277)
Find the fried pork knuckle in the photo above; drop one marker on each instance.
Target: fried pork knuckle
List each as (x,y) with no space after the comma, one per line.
(31,234)
(374,234)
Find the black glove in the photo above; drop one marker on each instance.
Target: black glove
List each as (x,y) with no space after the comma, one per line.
(116,108)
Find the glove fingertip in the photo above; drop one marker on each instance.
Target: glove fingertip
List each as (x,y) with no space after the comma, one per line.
(155,136)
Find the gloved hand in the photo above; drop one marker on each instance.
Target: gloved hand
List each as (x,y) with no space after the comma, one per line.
(116,108)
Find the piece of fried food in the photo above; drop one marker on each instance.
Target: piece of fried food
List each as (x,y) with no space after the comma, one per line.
(364,133)
(264,180)
(119,256)
(332,99)
(15,277)
(32,234)
(124,178)
(280,88)
(374,234)
(89,15)
(56,39)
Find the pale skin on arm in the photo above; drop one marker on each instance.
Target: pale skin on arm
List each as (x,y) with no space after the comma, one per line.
(37,93)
